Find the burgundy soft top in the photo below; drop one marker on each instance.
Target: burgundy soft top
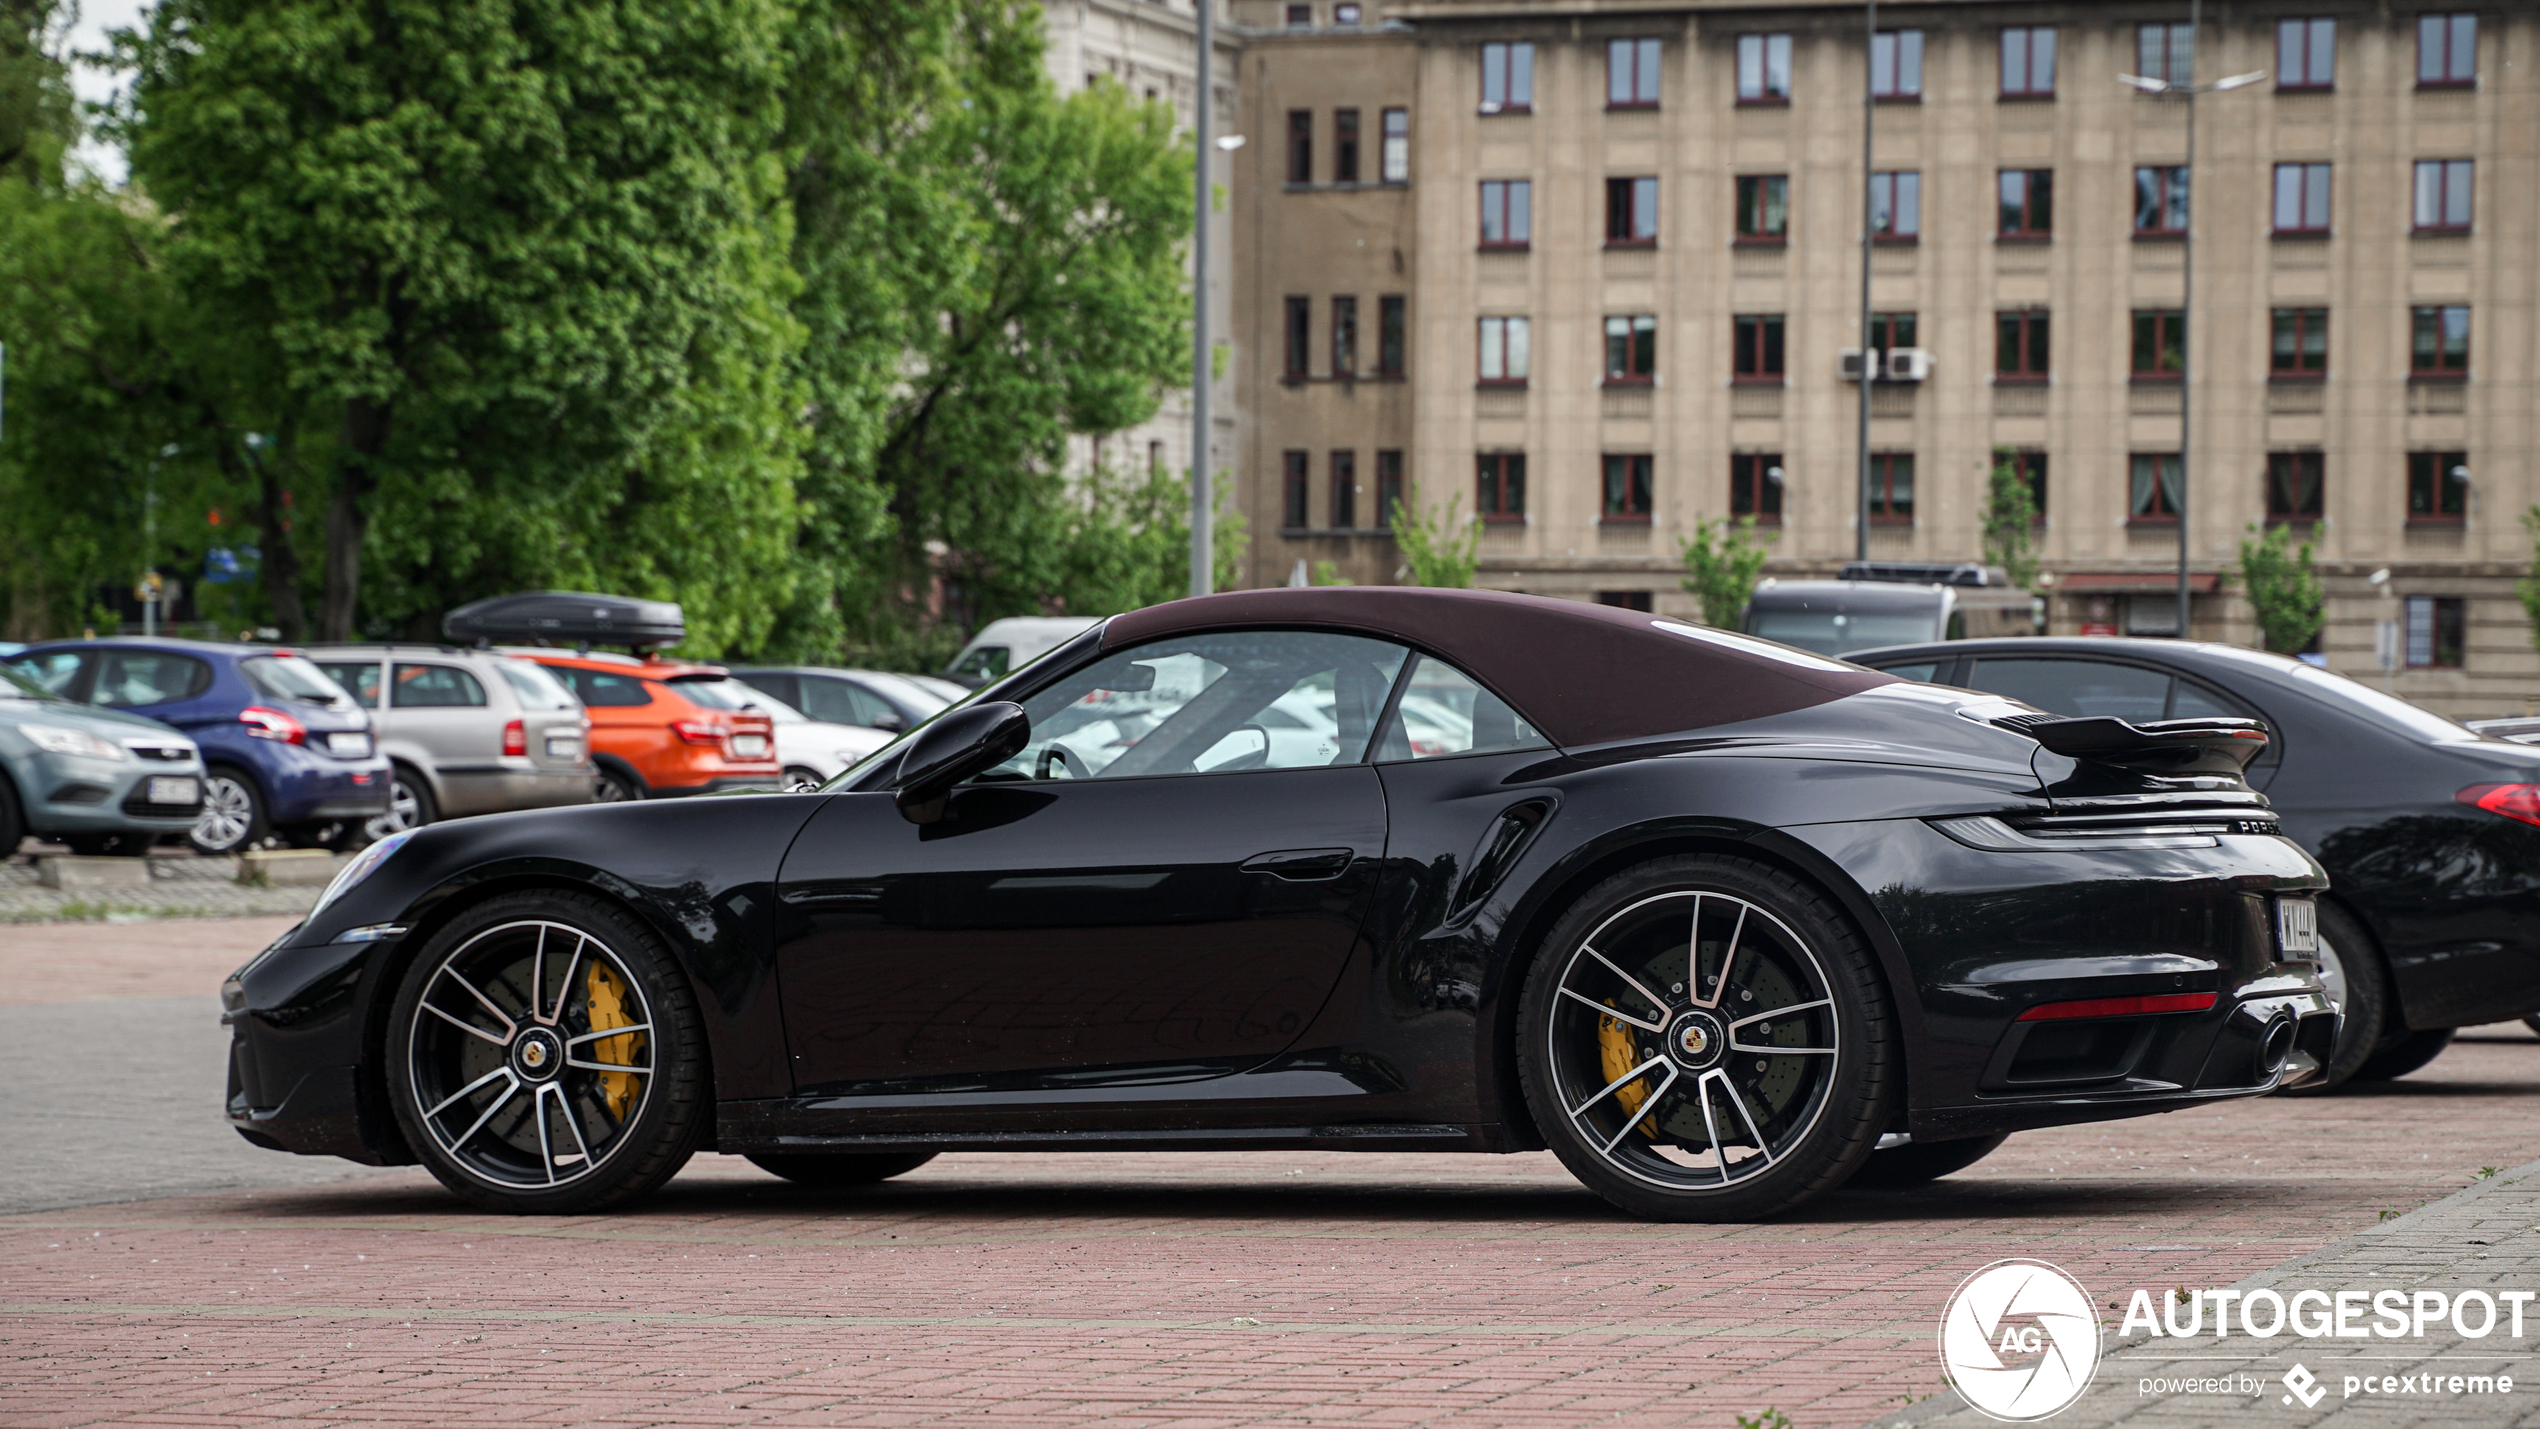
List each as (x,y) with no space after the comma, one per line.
(1583,674)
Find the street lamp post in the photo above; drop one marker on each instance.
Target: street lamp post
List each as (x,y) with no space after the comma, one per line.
(1203,509)
(1869,182)
(2188,90)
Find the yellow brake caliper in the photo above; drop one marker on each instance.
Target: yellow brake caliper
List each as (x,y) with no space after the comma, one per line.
(607,1001)
(1614,1056)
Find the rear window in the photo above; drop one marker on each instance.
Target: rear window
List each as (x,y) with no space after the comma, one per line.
(2365,702)
(603,689)
(131,678)
(1831,633)
(290,677)
(434,687)
(536,687)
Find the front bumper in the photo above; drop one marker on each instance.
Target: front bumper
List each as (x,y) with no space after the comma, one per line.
(74,794)
(296,1079)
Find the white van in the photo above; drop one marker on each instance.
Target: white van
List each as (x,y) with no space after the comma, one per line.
(1010,644)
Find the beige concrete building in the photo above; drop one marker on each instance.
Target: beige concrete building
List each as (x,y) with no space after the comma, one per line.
(1593,263)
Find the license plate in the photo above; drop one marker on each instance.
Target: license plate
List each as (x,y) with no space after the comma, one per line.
(563,747)
(2297,923)
(348,744)
(749,746)
(168,789)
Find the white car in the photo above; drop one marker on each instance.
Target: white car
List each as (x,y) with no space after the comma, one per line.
(813,751)
(1008,645)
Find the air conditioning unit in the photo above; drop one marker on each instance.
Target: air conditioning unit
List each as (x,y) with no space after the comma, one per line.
(1848,363)
(1908,364)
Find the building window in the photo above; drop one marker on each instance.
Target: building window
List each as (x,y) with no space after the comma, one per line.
(1300,146)
(1892,488)
(1345,14)
(1631,74)
(1344,337)
(1502,494)
(1344,490)
(2160,201)
(1755,486)
(2438,487)
(2030,466)
(2154,486)
(2435,629)
(2165,52)
(1344,146)
(2300,348)
(1631,349)
(2442,195)
(1639,600)
(1504,350)
(1508,219)
(1388,487)
(2301,198)
(1508,79)
(2028,62)
(1763,69)
(1293,493)
(1300,17)
(2439,345)
(1896,205)
(1631,212)
(2027,203)
(1758,354)
(1889,331)
(2294,481)
(1390,336)
(2447,50)
(2020,345)
(1896,64)
(2306,54)
(2160,342)
(1627,486)
(1397,157)
(1763,208)
(1155,458)
(1300,330)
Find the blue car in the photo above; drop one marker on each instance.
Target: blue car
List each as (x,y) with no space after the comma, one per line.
(285,750)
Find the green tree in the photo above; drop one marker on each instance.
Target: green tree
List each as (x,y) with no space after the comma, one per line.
(1439,547)
(2285,590)
(2010,521)
(2529,586)
(35,95)
(1722,561)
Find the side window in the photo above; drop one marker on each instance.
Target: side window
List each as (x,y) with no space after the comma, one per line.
(2193,701)
(1211,704)
(1923,670)
(53,669)
(361,679)
(602,690)
(986,663)
(787,688)
(2077,687)
(127,678)
(1445,711)
(434,687)
(843,703)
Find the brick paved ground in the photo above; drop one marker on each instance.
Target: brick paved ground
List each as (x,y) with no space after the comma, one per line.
(1187,1290)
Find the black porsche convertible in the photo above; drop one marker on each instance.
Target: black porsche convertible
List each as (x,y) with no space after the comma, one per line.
(1722,923)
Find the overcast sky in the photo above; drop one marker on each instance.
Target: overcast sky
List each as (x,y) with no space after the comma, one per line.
(96,17)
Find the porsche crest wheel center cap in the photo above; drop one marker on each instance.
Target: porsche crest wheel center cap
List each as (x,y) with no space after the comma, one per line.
(1697,1041)
(538,1055)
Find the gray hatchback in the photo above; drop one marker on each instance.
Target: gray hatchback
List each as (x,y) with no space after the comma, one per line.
(100,781)
(465,731)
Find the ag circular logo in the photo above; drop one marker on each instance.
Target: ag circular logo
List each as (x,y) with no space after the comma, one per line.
(2020,1340)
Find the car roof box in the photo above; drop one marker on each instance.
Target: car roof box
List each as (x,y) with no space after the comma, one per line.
(562,617)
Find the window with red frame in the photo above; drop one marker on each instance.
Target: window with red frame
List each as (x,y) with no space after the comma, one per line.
(1631,349)
(1891,488)
(1388,487)
(1502,480)
(2020,339)
(1300,146)
(2165,52)
(2300,346)
(1763,69)
(2439,341)
(1391,335)
(1344,337)
(1755,486)
(1344,146)
(2028,62)
(2447,50)
(1896,205)
(2160,200)
(1631,74)
(1763,208)
(1508,78)
(1344,490)
(2301,198)
(2306,54)
(2160,342)
(1505,354)
(1627,487)
(1300,325)
(2437,626)
(1631,212)
(2153,483)
(1896,64)
(1508,218)
(2027,203)
(2438,487)
(1889,331)
(1294,494)
(1756,349)
(2442,195)
(2294,483)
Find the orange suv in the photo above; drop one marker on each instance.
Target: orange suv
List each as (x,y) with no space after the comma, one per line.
(660,728)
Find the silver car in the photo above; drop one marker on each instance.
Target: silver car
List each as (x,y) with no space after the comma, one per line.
(99,780)
(466,731)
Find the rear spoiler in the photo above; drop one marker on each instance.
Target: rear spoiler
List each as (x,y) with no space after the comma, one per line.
(2170,746)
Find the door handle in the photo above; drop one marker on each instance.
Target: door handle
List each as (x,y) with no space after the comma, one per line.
(1301,865)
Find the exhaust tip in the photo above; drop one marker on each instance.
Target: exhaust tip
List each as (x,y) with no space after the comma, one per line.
(2276,1046)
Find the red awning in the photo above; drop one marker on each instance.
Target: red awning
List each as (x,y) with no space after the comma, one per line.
(2134,582)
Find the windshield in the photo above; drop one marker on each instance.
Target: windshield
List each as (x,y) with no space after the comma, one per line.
(14,686)
(289,677)
(2365,702)
(1829,633)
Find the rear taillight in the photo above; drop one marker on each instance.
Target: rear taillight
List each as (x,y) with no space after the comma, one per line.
(2120,1006)
(263,723)
(697,731)
(515,738)
(2513,801)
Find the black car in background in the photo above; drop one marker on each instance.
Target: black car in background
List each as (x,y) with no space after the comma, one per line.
(2430,833)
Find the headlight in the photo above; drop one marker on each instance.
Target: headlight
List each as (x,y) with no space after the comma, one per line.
(364,864)
(54,739)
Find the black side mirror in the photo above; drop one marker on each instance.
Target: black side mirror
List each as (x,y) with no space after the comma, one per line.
(957,745)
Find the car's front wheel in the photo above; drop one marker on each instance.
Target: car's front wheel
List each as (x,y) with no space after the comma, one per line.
(233,816)
(1705,1038)
(544,1055)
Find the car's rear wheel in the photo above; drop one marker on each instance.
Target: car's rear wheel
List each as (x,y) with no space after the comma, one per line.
(2350,968)
(410,805)
(12,821)
(2408,1054)
(544,1055)
(1918,1163)
(837,1173)
(616,786)
(233,817)
(1705,1038)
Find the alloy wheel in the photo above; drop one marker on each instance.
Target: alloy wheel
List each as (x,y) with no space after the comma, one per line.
(229,813)
(1693,1040)
(405,811)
